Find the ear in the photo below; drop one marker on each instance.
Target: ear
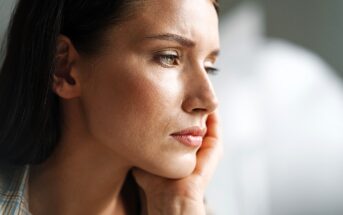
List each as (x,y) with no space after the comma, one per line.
(66,78)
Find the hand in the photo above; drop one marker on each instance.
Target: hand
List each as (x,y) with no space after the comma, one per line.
(183,196)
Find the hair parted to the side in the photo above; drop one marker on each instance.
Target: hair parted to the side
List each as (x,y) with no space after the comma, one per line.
(29,111)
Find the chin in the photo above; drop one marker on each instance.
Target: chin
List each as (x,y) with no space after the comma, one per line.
(176,169)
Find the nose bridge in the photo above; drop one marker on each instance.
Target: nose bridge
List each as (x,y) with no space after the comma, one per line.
(200,94)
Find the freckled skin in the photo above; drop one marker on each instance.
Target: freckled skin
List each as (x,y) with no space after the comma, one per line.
(132,103)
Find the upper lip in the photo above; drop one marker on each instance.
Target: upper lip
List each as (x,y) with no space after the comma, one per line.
(193,131)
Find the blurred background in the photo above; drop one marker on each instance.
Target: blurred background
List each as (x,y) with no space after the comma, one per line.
(281,102)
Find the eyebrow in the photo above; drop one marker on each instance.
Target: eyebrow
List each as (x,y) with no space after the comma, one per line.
(215,53)
(173,37)
(179,39)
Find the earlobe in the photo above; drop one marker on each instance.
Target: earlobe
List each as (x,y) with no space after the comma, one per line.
(65,78)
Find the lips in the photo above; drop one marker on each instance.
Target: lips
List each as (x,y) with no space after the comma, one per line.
(191,137)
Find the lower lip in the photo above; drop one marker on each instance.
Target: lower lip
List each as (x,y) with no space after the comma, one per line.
(189,140)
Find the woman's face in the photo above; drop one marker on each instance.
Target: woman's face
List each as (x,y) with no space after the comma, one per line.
(150,82)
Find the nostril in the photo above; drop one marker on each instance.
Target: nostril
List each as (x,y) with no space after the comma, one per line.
(199,110)
(200,103)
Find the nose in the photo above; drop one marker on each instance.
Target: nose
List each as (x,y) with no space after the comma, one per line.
(199,93)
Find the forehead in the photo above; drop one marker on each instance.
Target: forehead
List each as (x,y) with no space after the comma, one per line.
(194,19)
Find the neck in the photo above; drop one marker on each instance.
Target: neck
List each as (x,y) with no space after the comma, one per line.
(80,177)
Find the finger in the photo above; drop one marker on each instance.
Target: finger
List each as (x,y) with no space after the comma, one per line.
(213,134)
(213,125)
(211,151)
(207,160)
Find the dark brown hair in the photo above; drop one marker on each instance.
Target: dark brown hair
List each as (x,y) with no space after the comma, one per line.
(29,110)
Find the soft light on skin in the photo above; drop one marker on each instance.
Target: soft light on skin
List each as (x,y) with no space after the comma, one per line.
(123,104)
(133,97)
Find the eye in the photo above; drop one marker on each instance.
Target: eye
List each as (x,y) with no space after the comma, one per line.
(168,58)
(212,70)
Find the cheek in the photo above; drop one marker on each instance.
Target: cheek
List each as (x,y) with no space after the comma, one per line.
(131,105)
(133,113)
(155,115)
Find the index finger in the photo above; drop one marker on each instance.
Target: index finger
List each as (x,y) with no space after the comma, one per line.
(213,130)
(211,150)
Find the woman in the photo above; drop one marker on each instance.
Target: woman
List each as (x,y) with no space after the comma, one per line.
(107,107)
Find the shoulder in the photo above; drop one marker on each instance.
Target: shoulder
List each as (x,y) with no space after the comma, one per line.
(13,182)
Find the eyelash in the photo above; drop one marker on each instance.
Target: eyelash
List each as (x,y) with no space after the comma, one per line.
(176,61)
(164,57)
(212,70)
